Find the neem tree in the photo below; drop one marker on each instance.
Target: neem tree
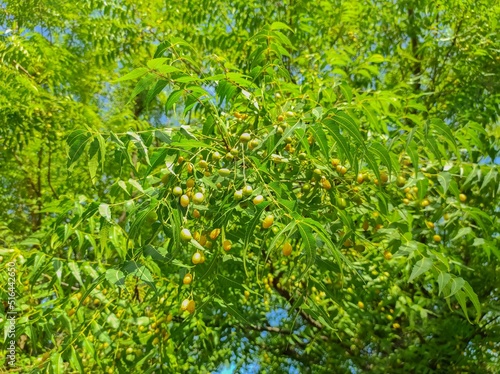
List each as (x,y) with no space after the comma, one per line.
(312,192)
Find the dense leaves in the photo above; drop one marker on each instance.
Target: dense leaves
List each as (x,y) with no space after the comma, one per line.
(310,186)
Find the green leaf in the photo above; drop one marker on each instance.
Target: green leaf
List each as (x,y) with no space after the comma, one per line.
(334,130)
(462,232)
(474,299)
(134,74)
(443,280)
(104,211)
(382,154)
(420,267)
(172,99)
(309,244)
(444,179)
(455,285)
(77,142)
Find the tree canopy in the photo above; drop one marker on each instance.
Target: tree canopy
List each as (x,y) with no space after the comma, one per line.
(251,186)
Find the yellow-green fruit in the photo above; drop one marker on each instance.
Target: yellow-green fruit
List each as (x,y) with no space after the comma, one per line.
(238,195)
(462,197)
(186,235)
(224,172)
(190,183)
(203,164)
(430,225)
(245,137)
(177,191)
(361,305)
(401,181)
(247,190)
(268,221)
(188,278)
(342,203)
(151,217)
(258,199)
(254,143)
(184,200)
(287,249)
(216,156)
(198,198)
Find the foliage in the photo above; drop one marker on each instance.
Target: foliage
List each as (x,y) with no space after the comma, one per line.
(137,135)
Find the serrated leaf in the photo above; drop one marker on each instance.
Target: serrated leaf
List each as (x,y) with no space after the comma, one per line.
(473,298)
(462,232)
(382,154)
(341,141)
(444,179)
(420,267)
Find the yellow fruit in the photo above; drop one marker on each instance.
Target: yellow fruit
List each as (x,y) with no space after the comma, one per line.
(180,160)
(430,225)
(196,259)
(188,278)
(425,202)
(361,305)
(387,255)
(186,235)
(184,200)
(287,249)
(325,183)
(436,238)
(338,168)
(177,191)
(188,305)
(384,177)
(268,221)
(343,170)
(196,213)
(406,201)
(462,197)
(258,199)
(446,216)
(198,198)
(214,234)
(247,294)
(401,181)
(360,178)
(226,245)
(335,162)
(414,189)
(281,118)
(190,168)
(190,183)
(396,325)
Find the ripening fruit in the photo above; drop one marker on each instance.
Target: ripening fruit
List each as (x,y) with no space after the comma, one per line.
(227,245)
(436,238)
(462,197)
(196,213)
(401,181)
(446,216)
(281,118)
(188,305)
(196,258)
(361,305)
(214,234)
(425,202)
(186,235)
(224,172)
(190,183)
(268,221)
(216,156)
(343,170)
(238,195)
(203,164)
(198,198)
(177,191)
(188,278)
(360,178)
(258,199)
(287,249)
(245,137)
(254,143)
(366,225)
(387,255)
(406,201)
(325,183)
(429,224)
(180,160)
(384,177)
(184,200)
(190,168)
(247,190)
(396,325)
(335,162)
